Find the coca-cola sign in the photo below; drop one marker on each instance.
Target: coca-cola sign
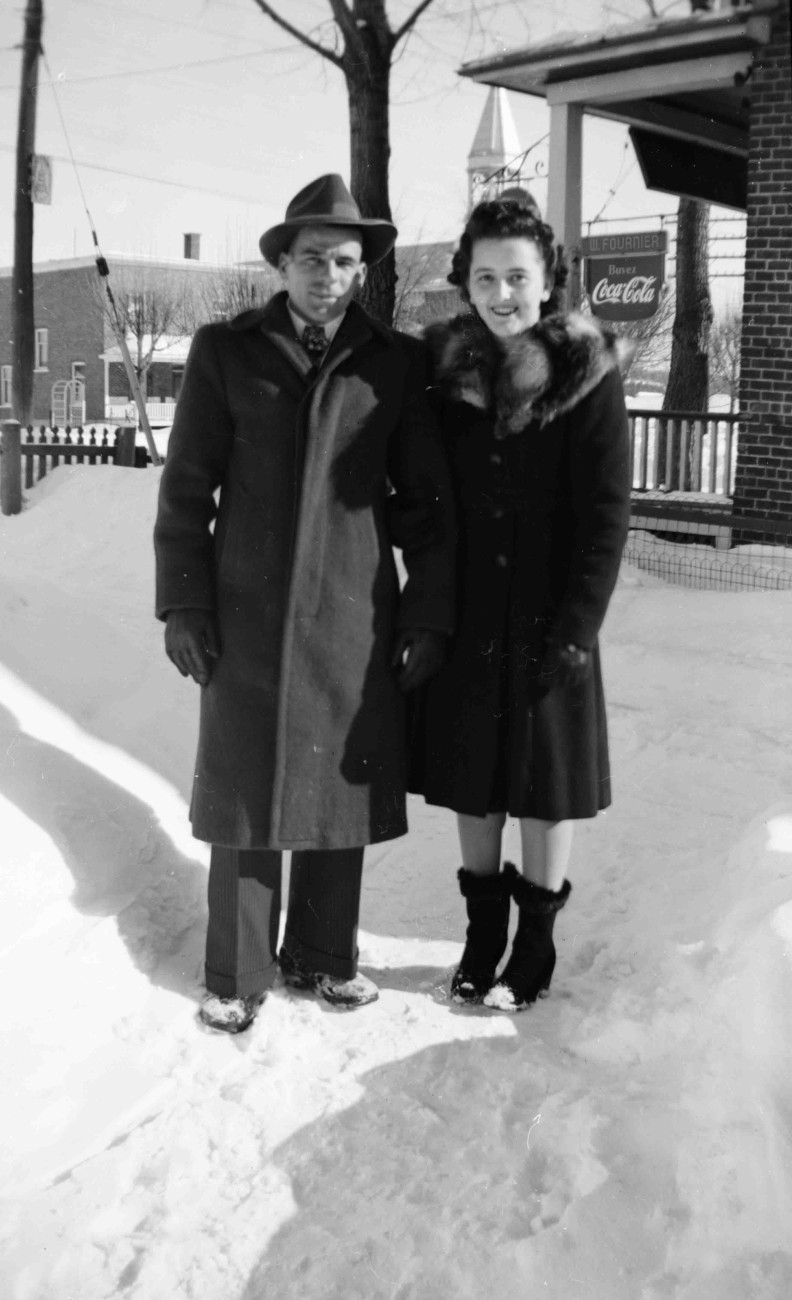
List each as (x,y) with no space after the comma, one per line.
(625,286)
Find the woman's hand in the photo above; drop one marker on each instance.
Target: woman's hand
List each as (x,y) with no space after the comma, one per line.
(564,665)
(418,654)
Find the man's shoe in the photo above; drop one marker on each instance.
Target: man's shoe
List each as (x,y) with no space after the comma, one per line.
(231,1015)
(339,992)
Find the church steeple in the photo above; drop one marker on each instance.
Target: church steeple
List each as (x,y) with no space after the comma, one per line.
(496,143)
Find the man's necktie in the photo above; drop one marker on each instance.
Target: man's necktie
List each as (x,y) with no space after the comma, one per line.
(315,342)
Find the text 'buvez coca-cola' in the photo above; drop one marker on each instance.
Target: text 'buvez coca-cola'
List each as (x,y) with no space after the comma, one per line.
(641,288)
(627,289)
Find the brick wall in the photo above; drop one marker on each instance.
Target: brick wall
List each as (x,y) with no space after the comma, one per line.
(66,304)
(764,467)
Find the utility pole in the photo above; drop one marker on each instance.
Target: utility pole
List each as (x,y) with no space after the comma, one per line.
(22,317)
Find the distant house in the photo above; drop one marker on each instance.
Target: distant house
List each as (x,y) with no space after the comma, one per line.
(163,385)
(79,374)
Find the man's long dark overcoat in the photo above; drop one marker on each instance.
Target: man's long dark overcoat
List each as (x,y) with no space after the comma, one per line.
(543,514)
(301,732)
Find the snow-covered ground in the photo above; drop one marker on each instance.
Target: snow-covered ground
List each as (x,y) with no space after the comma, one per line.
(629,1138)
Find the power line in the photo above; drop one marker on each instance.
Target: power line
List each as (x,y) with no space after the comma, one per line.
(166,22)
(152,180)
(66,82)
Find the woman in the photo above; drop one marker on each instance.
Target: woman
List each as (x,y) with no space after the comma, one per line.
(514,725)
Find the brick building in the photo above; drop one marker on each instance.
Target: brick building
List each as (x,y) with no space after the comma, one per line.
(75,341)
(70,335)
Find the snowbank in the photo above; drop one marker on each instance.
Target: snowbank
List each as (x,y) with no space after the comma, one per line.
(627,1139)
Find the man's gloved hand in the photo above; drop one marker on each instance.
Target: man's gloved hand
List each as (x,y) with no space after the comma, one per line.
(192,642)
(418,653)
(564,665)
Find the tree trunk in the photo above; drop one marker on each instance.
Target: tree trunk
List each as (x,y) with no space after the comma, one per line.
(368,89)
(141,370)
(688,378)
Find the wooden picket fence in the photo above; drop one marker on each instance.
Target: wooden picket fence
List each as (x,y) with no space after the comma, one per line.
(43,449)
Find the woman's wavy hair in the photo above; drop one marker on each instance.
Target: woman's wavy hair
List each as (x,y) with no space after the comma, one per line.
(512,218)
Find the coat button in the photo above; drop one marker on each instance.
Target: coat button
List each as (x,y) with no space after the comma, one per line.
(498,512)
(501,561)
(496,458)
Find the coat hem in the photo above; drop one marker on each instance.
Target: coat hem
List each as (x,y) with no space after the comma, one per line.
(549,815)
(268,842)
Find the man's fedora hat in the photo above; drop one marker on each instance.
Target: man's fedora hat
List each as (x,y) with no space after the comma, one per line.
(327,202)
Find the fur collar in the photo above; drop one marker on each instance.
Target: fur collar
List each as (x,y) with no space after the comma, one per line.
(538,375)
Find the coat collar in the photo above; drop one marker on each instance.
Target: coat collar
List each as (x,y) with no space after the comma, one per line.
(274,320)
(537,375)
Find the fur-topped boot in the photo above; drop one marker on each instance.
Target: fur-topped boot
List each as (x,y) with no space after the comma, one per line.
(529,970)
(487,899)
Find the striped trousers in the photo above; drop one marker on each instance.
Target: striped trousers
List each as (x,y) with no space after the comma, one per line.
(244,914)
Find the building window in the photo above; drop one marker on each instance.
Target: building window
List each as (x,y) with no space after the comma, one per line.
(42,349)
(5,385)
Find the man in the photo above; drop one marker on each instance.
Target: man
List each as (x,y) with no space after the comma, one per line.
(305,414)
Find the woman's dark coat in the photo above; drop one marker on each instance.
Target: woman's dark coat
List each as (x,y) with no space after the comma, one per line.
(301,736)
(536,434)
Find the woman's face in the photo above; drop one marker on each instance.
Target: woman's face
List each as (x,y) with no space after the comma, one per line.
(508,284)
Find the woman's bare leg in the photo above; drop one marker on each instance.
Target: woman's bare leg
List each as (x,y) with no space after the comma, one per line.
(480,842)
(546,848)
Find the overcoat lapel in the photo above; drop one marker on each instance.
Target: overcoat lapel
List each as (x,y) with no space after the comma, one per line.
(275,322)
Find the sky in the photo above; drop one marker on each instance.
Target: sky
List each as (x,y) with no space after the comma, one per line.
(203,116)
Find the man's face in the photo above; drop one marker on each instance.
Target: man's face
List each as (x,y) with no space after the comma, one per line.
(322,271)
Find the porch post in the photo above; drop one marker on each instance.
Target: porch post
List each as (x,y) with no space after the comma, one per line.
(564,188)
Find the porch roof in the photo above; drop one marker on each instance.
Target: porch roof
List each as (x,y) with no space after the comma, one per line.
(683,81)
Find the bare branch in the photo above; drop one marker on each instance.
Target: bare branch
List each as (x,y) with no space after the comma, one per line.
(302,37)
(410,22)
(346,24)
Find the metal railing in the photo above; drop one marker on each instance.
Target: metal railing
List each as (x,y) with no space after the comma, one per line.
(157,412)
(683,451)
(707,546)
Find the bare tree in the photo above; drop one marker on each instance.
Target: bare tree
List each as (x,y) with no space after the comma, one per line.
(233,289)
(724,349)
(419,267)
(688,378)
(153,308)
(362,47)
(651,337)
